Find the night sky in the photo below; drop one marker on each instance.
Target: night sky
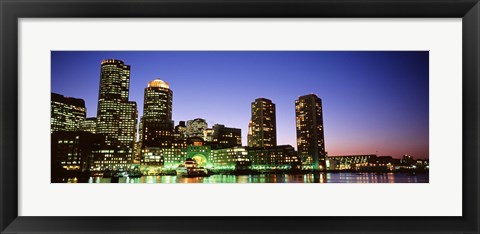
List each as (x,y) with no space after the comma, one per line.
(373,102)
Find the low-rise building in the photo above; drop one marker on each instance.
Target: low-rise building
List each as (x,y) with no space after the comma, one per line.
(72,150)
(271,158)
(230,158)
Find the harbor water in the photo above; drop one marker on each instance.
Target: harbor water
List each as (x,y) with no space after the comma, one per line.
(336,177)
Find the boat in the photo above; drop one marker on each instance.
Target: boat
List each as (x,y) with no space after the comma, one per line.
(189,168)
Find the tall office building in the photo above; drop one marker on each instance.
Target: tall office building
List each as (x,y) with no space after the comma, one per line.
(157,125)
(116,115)
(66,113)
(310,137)
(157,102)
(127,132)
(113,92)
(263,124)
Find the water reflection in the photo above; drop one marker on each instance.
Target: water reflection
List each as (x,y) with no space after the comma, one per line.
(272,178)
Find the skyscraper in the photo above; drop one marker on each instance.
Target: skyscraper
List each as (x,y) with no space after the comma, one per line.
(157,103)
(157,125)
(310,137)
(116,115)
(263,124)
(113,92)
(66,113)
(127,132)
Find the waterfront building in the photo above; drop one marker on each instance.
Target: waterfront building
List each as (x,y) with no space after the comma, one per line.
(374,163)
(407,160)
(88,125)
(73,150)
(161,142)
(163,159)
(378,164)
(229,158)
(225,137)
(196,127)
(175,155)
(199,151)
(66,113)
(157,126)
(110,157)
(152,156)
(422,164)
(349,162)
(271,158)
(263,124)
(310,132)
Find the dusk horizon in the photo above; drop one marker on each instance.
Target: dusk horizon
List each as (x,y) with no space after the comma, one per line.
(374,102)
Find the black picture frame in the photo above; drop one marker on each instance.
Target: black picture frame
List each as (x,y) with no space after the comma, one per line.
(11,11)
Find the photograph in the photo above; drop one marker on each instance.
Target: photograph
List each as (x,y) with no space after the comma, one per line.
(218,117)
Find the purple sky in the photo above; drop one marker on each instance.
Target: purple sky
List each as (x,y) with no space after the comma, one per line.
(373,102)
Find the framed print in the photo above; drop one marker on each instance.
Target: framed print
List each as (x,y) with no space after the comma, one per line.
(256,116)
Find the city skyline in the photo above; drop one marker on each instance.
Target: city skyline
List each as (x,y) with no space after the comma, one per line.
(393,120)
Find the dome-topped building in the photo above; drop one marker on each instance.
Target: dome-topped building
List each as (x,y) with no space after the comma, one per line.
(158,100)
(157,124)
(157,83)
